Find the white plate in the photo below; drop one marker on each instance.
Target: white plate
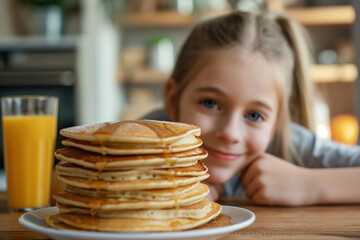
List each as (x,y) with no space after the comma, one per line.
(34,220)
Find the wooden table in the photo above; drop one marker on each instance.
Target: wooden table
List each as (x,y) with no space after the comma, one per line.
(314,222)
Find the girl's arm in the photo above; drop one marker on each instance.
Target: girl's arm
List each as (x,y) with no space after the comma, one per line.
(215,190)
(335,185)
(273,181)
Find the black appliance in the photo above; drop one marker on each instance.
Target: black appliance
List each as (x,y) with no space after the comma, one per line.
(37,66)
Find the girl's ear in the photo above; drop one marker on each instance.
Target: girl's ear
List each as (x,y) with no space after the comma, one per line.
(170,98)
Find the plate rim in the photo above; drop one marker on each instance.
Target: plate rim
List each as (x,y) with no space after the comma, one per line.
(129,235)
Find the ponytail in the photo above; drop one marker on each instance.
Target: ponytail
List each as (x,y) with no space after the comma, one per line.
(301,102)
(299,87)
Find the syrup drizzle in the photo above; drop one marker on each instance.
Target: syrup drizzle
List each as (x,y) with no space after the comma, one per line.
(101,164)
(102,135)
(95,204)
(174,190)
(97,184)
(108,130)
(175,225)
(161,130)
(171,161)
(221,220)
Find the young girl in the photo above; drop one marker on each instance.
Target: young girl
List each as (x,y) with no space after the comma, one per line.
(242,79)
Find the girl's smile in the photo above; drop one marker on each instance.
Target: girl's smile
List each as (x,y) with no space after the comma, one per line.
(222,156)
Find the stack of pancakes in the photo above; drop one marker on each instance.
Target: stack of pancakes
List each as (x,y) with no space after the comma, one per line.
(132,176)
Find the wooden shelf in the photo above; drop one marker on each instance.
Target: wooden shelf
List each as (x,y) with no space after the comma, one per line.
(165,19)
(155,19)
(149,75)
(144,76)
(325,73)
(334,73)
(332,15)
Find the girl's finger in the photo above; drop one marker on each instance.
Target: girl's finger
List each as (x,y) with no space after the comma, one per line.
(260,198)
(252,188)
(249,174)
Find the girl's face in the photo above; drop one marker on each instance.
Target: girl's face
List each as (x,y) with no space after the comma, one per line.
(235,103)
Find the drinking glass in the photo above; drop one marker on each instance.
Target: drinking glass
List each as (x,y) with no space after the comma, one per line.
(29,133)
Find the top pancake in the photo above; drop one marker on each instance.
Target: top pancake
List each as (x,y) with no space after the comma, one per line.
(137,131)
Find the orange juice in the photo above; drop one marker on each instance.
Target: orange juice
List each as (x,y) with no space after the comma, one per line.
(29,146)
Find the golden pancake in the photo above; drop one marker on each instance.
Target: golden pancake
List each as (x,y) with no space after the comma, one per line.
(152,194)
(133,149)
(167,182)
(132,224)
(51,221)
(138,131)
(194,195)
(73,170)
(196,211)
(100,162)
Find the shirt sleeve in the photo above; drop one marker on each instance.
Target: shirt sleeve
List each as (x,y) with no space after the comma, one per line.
(159,114)
(321,153)
(233,186)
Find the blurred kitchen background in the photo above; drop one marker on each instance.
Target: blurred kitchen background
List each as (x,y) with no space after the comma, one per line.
(109,59)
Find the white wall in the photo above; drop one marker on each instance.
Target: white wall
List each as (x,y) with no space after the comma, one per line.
(6,28)
(99,94)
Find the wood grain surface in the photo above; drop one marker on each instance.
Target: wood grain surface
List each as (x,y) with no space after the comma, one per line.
(312,222)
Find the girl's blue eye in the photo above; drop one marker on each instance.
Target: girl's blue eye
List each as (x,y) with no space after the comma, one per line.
(254,116)
(209,103)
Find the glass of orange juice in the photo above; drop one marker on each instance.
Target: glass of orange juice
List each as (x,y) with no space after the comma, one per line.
(29,132)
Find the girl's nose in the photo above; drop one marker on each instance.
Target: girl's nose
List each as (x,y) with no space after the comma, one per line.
(229,129)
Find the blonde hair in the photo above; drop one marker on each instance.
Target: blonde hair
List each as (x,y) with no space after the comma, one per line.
(280,40)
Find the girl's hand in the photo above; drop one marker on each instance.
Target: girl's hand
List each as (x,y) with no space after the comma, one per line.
(272,181)
(215,190)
